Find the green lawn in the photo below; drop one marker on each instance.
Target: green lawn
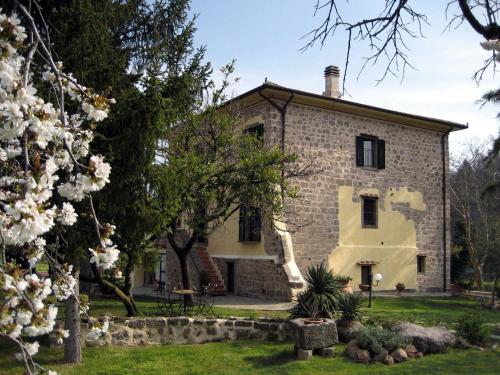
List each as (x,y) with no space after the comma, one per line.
(271,358)
(423,310)
(244,357)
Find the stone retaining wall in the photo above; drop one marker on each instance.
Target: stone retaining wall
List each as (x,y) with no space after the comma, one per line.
(184,330)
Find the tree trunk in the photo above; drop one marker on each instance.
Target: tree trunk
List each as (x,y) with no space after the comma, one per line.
(126,298)
(186,281)
(73,344)
(478,273)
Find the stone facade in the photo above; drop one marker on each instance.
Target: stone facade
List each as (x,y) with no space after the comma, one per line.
(413,160)
(326,137)
(258,278)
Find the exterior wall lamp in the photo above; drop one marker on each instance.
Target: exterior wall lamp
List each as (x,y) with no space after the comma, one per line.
(372,282)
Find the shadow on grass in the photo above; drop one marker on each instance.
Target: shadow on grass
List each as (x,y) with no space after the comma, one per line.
(274,360)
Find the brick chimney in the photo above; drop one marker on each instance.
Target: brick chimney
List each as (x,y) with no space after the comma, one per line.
(332,77)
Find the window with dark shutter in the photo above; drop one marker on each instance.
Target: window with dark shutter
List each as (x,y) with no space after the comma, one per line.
(369,212)
(370,152)
(250,224)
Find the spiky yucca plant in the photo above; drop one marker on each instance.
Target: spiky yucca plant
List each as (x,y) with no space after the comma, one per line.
(349,304)
(319,300)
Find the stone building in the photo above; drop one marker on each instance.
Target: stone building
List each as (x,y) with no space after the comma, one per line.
(380,203)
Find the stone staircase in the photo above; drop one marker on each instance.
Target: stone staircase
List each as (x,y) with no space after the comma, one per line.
(211,269)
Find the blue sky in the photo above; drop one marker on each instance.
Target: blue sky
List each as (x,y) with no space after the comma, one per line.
(265,37)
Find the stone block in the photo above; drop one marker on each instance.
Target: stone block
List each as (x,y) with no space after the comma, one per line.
(304,354)
(242,334)
(136,323)
(314,336)
(327,352)
(243,323)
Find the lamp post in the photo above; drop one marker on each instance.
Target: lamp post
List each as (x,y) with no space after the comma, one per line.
(378,278)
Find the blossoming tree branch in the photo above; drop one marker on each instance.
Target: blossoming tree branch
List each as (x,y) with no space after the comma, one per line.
(45,164)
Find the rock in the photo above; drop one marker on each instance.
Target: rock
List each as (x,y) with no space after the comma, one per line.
(399,355)
(419,355)
(304,354)
(314,336)
(120,335)
(327,352)
(411,351)
(381,356)
(426,339)
(351,349)
(348,332)
(462,343)
(388,360)
(362,356)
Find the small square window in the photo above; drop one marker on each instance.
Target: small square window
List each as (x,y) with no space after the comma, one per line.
(369,212)
(421,263)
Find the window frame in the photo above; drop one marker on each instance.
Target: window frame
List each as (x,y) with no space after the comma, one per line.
(375,212)
(377,152)
(421,263)
(363,268)
(248,231)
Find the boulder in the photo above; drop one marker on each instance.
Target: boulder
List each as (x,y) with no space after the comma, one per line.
(362,356)
(348,332)
(426,339)
(381,356)
(411,351)
(351,348)
(388,360)
(314,336)
(399,355)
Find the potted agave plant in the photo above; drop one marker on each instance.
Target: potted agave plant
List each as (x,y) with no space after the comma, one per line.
(311,323)
(349,304)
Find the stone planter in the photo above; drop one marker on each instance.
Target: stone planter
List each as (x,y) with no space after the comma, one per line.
(346,288)
(312,336)
(364,287)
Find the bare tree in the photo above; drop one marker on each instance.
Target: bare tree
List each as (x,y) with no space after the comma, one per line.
(388,32)
(478,214)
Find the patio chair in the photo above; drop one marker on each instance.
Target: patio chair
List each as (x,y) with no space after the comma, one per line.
(206,300)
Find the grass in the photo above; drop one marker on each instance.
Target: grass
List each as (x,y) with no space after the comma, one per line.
(247,357)
(428,310)
(423,310)
(253,357)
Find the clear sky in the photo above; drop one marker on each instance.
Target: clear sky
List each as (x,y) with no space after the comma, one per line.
(264,36)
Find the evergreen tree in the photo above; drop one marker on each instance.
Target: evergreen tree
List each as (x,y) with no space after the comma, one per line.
(125,48)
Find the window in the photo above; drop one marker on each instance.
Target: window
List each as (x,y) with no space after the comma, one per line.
(365,274)
(256,130)
(421,263)
(250,224)
(370,152)
(369,212)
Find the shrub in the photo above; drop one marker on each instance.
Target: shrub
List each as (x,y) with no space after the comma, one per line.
(342,279)
(471,327)
(349,304)
(320,297)
(375,339)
